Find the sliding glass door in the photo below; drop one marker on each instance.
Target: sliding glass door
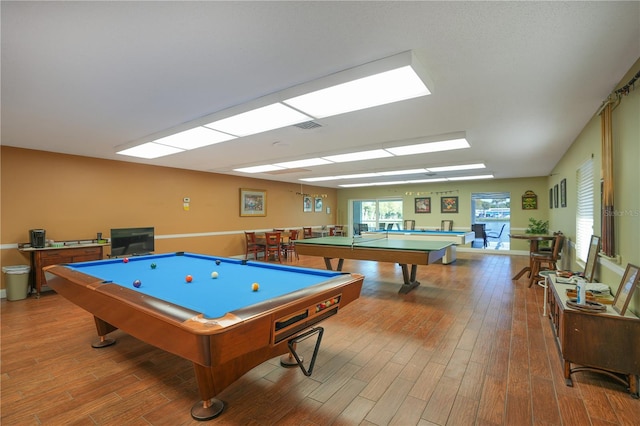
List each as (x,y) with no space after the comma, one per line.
(375,214)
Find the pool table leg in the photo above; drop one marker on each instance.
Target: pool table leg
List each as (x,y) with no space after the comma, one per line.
(209,407)
(327,263)
(409,280)
(103,328)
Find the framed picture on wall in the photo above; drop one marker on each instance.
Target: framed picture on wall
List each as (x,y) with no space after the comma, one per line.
(550,198)
(253,202)
(423,205)
(318,204)
(449,205)
(627,285)
(529,201)
(307,204)
(563,193)
(555,196)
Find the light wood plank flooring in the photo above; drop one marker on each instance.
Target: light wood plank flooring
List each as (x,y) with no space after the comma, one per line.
(467,347)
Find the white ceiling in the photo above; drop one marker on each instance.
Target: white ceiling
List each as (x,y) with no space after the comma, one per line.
(520,78)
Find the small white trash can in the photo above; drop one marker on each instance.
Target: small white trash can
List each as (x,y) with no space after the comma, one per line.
(17,281)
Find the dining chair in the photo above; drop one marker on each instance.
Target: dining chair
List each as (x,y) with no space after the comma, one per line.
(339,230)
(252,245)
(332,231)
(289,247)
(409,224)
(273,245)
(549,259)
(480,234)
(446,225)
(307,232)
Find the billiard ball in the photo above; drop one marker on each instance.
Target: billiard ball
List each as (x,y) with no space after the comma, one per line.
(125,260)
(137,283)
(255,286)
(214,274)
(153,266)
(217,262)
(189,278)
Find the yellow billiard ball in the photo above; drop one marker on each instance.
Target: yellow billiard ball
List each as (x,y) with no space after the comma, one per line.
(255,286)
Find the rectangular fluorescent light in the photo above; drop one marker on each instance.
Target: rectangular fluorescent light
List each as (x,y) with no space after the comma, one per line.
(194,138)
(259,120)
(379,89)
(150,150)
(423,148)
(303,163)
(259,169)
(319,179)
(471,177)
(356,156)
(402,172)
(455,168)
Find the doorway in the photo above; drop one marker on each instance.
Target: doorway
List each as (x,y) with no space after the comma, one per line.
(493,210)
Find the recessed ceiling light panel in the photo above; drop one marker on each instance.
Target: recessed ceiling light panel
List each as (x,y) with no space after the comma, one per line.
(150,150)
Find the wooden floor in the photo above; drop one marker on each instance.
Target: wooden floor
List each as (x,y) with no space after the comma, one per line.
(467,347)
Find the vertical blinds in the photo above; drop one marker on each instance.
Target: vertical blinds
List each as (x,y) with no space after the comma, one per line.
(584,210)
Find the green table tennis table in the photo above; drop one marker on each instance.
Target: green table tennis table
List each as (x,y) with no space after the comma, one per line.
(403,252)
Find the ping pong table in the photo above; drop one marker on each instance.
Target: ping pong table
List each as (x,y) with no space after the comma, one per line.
(403,252)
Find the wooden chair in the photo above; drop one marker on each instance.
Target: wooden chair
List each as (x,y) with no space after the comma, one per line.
(290,246)
(446,225)
(307,232)
(273,245)
(252,245)
(339,230)
(409,224)
(538,259)
(332,231)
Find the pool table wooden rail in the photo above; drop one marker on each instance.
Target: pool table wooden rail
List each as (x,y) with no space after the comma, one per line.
(221,349)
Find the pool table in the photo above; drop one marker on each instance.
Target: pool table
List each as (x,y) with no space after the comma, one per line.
(457,238)
(219,323)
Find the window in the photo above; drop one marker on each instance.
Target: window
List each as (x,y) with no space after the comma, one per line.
(376,214)
(584,210)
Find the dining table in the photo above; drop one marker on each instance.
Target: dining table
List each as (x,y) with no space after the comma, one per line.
(534,242)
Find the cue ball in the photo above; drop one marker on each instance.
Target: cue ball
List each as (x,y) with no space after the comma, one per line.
(217,262)
(189,278)
(214,274)
(153,266)
(125,260)
(137,283)
(255,286)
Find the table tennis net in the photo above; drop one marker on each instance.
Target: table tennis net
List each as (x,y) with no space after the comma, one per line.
(356,240)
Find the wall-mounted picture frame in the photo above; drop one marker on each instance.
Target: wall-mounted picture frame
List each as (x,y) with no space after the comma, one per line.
(563,193)
(529,201)
(550,198)
(625,290)
(448,204)
(253,202)
(307,204)
(555,196)
(318,204)
(423,205)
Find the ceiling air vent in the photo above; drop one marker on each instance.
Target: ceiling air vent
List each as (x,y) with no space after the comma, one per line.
(307,125)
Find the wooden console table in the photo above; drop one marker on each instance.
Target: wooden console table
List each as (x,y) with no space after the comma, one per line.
(604,342)
(46,256)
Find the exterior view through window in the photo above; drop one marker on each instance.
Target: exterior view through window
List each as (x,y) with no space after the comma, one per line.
(493,211)
(376,214)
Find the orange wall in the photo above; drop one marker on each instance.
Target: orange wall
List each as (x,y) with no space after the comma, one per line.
(74,197)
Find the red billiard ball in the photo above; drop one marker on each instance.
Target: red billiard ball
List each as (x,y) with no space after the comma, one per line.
(189,278)
(125,260)
(137,283)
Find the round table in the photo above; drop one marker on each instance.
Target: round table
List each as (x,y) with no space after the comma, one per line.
(534,240)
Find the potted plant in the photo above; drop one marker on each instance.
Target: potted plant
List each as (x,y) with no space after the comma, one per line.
(537,226)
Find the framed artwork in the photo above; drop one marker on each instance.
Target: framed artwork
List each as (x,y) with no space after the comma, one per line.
(555,196)
(253,202)
(307,204)
(318,204)
(550,198)
(449,205)
(563,193)
(627,285)
(423,205)
(529,201)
